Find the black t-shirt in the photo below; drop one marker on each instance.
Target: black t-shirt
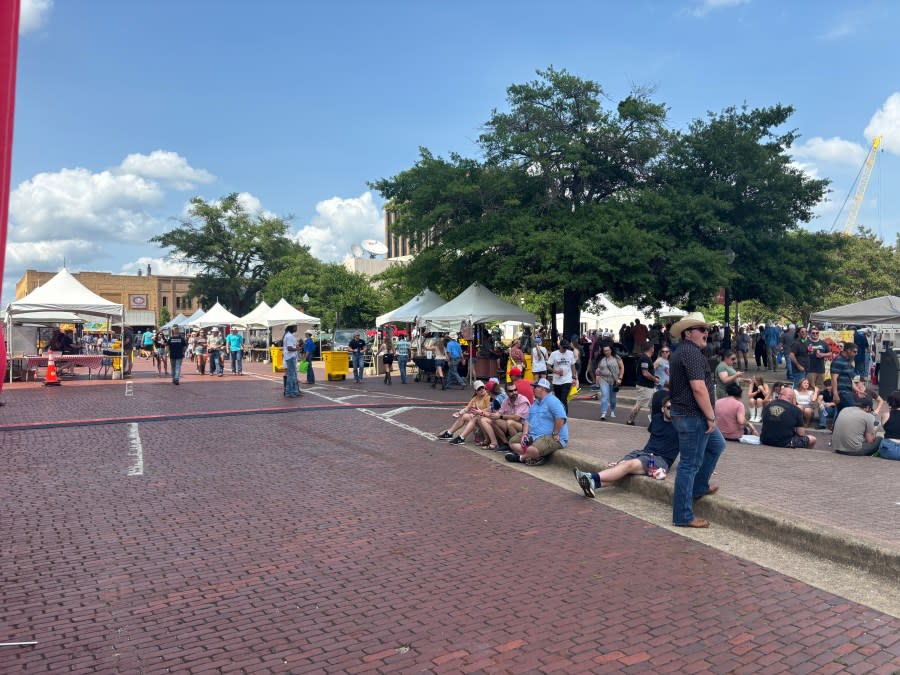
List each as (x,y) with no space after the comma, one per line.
(663,439)
(892,426)
(780,418)
(801,353)
(357,345)
(656,401)
(816,363)
(645,372)
(177,345)
(688,363)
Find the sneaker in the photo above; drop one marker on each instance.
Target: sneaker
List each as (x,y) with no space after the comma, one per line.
(630,423)
(445,436)
(459,440)
(584,480)
(535,462)
(613,415)
(602,418)
(503,448)
(512,457)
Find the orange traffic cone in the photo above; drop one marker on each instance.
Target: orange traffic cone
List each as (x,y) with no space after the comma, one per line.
(51,379)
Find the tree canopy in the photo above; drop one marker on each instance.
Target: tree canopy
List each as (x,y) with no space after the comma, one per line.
(236,252)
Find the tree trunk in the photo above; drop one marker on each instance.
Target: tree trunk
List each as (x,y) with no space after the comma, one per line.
(571,314)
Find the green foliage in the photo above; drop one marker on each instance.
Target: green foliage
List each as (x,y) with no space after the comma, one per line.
(861,266)
(235,252)
(164,317)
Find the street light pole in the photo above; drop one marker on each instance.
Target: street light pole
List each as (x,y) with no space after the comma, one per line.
(726,338)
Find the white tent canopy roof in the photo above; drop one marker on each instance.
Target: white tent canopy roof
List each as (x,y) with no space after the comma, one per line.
(64,293)
(874,311)
(216,316)
(478,305)
(285,314)
(193,317)
(255,318)
(176,321)
(422,303)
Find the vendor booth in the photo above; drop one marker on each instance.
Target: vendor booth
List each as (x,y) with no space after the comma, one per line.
(257,338)
(63,293)
(216,316)
(284,314)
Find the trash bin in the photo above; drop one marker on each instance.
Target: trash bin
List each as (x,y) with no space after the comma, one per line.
(277,359)
(336,365)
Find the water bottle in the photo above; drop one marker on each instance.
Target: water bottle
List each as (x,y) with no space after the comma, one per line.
(525,441)
(651,465)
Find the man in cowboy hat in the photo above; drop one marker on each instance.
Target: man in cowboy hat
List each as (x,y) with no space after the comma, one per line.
(699,440)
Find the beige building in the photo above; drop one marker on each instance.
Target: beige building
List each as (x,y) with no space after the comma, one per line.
(143,294)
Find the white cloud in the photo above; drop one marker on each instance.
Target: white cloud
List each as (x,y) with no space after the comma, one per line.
(50,254)
(886,123)
(161,266)
(340,223)
(809,169)
(704,7)
(87,204)
(167,167)
(33,14)
(835,150)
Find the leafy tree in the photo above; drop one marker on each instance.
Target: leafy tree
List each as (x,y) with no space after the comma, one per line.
(164,317)
(860,266)
(236,252)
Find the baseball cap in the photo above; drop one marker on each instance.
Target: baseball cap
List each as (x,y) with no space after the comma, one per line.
(543,383)
(477,384)
(516,371)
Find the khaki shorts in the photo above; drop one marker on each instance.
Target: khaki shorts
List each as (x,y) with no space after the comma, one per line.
(644,396)
(545,445)
(816,380)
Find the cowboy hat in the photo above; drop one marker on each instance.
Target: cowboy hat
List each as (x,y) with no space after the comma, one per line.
(692,320)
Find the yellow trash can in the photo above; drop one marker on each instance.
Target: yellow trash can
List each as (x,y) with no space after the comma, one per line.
(336,365)
(277,358)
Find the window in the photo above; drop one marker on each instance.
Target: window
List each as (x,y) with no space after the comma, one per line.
(177,302)
(165,301)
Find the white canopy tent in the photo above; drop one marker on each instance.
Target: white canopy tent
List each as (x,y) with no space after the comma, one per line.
(63,293)
(422,303)
(285,314)
(474,305)
(872,312)
(173,322)
(193,317)
(216,316)
(255,318)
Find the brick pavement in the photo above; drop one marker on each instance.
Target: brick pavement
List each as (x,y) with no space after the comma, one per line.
(286,544)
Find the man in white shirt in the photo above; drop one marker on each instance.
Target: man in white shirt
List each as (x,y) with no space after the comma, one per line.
(562,364)
(291,352)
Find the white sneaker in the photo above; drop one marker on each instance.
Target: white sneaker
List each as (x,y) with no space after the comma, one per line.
(613,415)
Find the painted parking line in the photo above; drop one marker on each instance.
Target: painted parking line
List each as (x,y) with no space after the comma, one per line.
(406,427)
(136,451)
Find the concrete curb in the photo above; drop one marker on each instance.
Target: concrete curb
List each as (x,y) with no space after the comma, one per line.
(805,536)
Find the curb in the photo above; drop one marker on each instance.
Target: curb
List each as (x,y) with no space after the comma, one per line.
(801,535)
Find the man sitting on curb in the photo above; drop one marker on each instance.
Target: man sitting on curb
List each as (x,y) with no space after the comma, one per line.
(525,388)
(663,445)
(544,432)
(508,421)
(782,423)
(854,430)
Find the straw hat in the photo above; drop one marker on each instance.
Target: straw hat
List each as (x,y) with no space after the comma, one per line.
(691,320)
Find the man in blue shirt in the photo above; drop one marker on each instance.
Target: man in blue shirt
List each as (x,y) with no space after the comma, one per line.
(772,334)
(544,432)
(235,342)
(402,350)
(454,356)
(309,350)
(843,371)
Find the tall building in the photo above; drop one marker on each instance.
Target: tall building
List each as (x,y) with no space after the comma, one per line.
(143,294)
(399,245)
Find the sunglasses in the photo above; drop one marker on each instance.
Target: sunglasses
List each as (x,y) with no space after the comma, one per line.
(702,329)
(664,351)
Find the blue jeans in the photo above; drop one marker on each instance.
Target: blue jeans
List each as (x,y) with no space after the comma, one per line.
(237,361)
(401,364)
(176,369)
(889,449)
(607,398)
(797,377)
(310,373)
(699,455)
(291,385)
(357,361)
(215,362)
(453,376)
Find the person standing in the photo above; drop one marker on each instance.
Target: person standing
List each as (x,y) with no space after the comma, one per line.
(454,356)
(309,351)
(563,364)
(147,343)
(357,348)
(402,349)
(177,345)
(661,368)
(538,360)
(159,354)
(609,375)
(772,333)
(819,352)
(235,342)
(842,373)
(700,442)
(799,357)
(214,346)
(646,382)
(290,351)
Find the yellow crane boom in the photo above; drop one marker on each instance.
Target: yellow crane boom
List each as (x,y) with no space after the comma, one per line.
(861,186)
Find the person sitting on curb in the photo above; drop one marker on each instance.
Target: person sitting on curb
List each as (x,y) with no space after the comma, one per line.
(854,430)
(545,430)
(782,423)
(469,416)
(508,421)
(663,445)
(730,415)
(890,444)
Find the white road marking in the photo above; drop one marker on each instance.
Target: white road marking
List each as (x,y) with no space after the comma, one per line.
(424,434)
(137,451)
(129,388)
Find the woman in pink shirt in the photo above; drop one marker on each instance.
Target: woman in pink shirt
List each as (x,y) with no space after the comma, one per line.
(730,415)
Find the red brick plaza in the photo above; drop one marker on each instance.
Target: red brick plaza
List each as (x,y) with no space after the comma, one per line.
(316,536)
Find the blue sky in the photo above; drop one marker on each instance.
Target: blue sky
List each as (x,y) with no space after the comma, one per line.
(125,110)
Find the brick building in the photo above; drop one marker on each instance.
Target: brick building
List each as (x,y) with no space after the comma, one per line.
(142,294)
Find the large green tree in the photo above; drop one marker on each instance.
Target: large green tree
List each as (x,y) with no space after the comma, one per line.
(235,252)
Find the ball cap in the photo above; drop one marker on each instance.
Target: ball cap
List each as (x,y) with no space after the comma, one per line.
(543,383)
(516,371)
(478,384)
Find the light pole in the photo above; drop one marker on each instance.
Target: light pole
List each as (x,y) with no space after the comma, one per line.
(305,301)
(726,338)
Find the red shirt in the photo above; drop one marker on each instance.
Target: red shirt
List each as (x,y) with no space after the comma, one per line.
(525,389)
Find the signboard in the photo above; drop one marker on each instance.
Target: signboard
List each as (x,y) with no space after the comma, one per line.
(137,301)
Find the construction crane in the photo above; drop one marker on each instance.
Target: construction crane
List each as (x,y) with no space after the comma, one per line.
(862,183)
